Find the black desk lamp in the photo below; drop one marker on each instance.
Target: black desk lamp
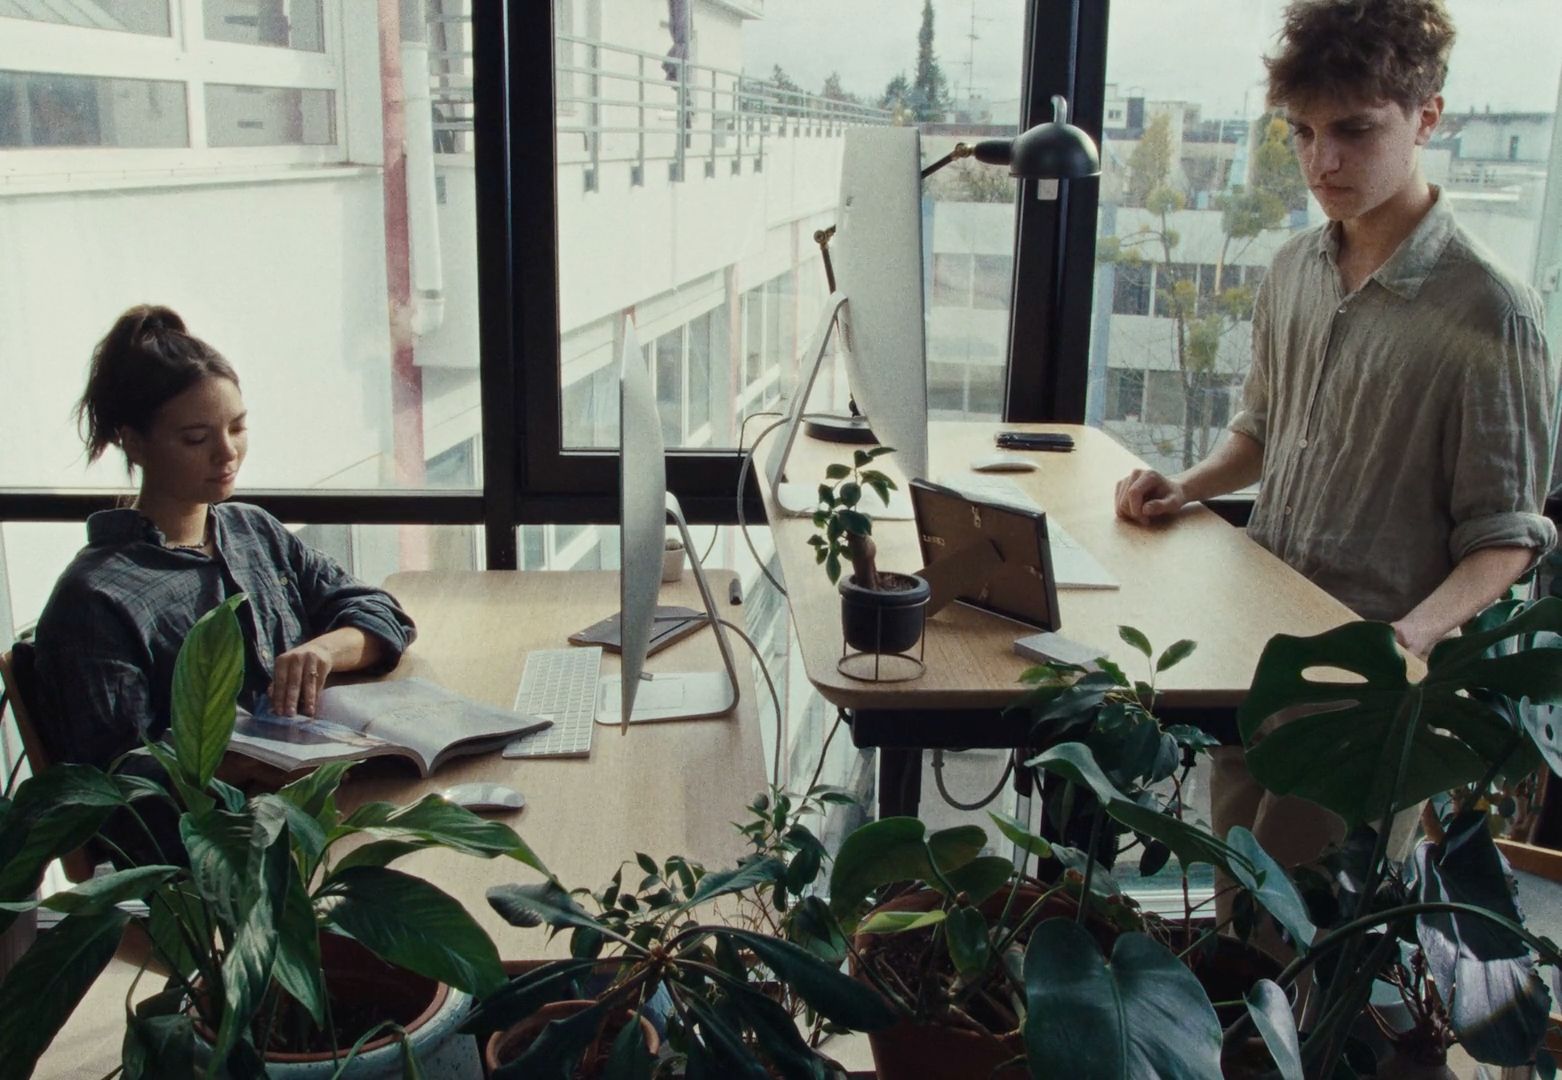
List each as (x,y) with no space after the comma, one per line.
(1052,151)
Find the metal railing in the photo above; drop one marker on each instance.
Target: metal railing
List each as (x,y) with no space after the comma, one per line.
(617,105)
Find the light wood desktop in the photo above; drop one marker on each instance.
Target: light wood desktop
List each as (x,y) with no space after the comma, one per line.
(1194,577)
(664,789)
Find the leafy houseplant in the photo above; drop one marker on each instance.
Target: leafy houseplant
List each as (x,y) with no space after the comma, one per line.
(730,989)
(1371,747)
(881,612)
(1008,969)
(244,920)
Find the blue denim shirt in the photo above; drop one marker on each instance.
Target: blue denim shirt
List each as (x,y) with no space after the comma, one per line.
(111,631)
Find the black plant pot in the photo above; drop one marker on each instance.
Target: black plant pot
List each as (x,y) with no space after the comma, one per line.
(884,620)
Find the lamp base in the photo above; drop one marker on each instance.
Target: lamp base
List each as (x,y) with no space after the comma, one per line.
(841,429)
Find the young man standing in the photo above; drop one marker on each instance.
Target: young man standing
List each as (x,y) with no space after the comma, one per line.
(1398,414)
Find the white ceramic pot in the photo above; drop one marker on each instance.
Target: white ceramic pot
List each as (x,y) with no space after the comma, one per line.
(672,564)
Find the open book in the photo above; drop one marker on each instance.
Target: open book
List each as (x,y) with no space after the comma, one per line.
(411,718)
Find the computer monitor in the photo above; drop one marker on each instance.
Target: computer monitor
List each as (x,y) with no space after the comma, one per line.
(645,506)
(878,305)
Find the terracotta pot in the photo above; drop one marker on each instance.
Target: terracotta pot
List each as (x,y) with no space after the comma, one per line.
(430,1012)
(507,1045)
(1229,972)
(938,1051)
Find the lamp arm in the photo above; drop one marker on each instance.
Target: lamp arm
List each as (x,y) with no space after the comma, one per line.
(822,238)
(961,150)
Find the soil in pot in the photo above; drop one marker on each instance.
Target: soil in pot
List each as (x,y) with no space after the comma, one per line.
(505,1046)
(887,619)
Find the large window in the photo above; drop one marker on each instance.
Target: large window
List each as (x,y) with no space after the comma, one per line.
(1199,189)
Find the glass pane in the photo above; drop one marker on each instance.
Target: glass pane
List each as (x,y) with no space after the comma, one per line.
(704,151)
(134,16)
(1187,134)
(699,373)
(669,386)
(356,346)
(269,116)
(292,24)
(76,110)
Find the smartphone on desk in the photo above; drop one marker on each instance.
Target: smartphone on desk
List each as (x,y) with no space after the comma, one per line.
(1035,440)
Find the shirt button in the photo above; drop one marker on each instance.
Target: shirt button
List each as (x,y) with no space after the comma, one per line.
(1304,444)
(1288,510)
(1342,310)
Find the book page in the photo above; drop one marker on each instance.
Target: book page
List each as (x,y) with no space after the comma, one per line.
(420,715)
(294,742)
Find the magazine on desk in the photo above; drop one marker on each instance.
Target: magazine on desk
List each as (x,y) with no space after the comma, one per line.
(409,718)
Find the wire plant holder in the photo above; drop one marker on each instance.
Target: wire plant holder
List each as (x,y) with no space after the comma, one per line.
(884,666)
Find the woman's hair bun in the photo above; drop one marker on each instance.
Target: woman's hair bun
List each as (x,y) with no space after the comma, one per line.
(153,318)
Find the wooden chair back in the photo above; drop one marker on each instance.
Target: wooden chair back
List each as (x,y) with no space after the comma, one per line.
(16,674)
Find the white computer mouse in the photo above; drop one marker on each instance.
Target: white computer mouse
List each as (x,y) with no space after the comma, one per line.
(481,796)
(1002,463)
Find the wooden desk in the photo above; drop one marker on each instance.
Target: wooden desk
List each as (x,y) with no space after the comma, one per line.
(1196,577)
(664,789)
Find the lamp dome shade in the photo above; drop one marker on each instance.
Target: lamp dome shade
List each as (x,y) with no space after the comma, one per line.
(1056,150)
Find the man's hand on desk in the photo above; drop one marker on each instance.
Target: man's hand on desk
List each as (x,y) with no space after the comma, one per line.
(1144,495)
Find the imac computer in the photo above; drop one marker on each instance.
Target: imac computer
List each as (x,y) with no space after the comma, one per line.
(878,306)
(644,508)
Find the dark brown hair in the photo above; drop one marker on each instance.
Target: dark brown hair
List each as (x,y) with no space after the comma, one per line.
(145,359)
(1374,50)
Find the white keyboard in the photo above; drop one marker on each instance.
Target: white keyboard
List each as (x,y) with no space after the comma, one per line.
(1073,567)
(561,685)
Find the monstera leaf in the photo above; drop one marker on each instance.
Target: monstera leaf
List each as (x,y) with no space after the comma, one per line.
(1498,1003)
(1139,1016)
(1345,749)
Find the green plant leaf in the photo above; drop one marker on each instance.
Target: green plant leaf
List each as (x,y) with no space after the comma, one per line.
(897,922)
(880,451)
(833,995)
(218,844)
(629,1058)
(157,1047)
(1271,887)
(832,567)
(102,893)
(724,1043)
(195,800)
(1499,1004)
(1022,837)
(1344,753)
(1136,638)
(837,472)
(408,922)
(856,523)
(895,849)
(1271,1013)
(296,966)
(851,494)
(53,814)
(43,989)
(966,932)
(171,907)
(434,822)
(1175,653)
(981,877)
(557,1048)
(1139,1016)
(749,875)
(207,676)
(776,1034)
(520,905)
(378,853)
(526,993)
(314,793)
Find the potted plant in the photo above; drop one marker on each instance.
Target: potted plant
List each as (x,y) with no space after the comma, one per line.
(728,990)
(672,559)
(1376,744)
(996,970)
(881,612)
(277,949)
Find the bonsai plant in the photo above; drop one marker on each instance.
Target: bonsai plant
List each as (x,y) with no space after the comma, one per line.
(729,993)
(1371,747)
(247,917)
(881,612)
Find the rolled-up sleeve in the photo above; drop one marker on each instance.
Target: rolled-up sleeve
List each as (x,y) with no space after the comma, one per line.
(1252,419)
(333,598)
(1502,445)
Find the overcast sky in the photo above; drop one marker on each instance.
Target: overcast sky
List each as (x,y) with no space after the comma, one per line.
(1508,56)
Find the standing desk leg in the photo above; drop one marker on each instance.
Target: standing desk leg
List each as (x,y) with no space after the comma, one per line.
(900,781)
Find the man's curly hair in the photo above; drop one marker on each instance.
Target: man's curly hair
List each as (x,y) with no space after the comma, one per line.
(1373,50)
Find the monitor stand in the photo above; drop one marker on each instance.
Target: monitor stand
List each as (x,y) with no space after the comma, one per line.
(678,695)
(801,500)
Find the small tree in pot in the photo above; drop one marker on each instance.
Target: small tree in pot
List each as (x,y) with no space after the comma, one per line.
(881,612)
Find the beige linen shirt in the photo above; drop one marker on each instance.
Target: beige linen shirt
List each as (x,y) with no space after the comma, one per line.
(1405,425)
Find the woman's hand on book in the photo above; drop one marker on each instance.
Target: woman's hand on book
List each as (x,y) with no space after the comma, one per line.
(299,676)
